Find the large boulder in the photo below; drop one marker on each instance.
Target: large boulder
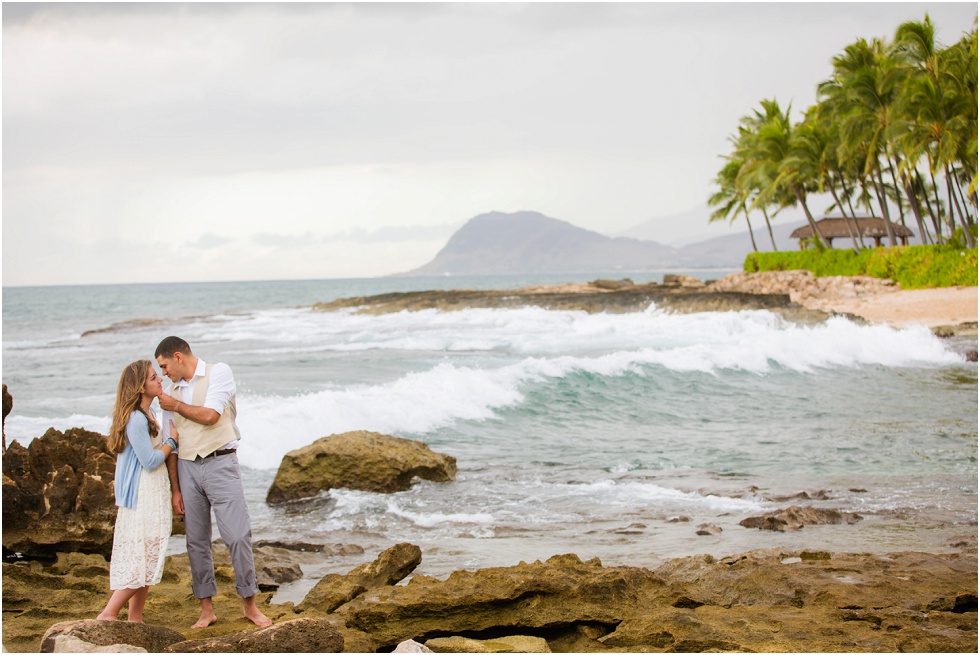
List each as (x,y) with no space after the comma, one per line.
(563,591)
(362,460)
(58,494)
(391,567)
(105,634)
(305,635)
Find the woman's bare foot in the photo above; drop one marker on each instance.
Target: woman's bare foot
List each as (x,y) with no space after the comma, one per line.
(106,617)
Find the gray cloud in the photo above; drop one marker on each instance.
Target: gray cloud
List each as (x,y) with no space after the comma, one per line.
(397,121)
(209,241)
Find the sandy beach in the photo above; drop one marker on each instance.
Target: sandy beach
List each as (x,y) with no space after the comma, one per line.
(929,307)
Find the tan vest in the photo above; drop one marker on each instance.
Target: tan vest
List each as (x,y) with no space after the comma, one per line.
(197,439)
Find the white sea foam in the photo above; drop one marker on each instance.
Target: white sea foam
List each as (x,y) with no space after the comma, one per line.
(749,338)
(514,505)
(433,519)
(420,402)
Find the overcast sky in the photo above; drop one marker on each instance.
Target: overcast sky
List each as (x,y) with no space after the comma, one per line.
(193,142)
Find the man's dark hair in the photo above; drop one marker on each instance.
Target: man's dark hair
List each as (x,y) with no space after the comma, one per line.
(172,345)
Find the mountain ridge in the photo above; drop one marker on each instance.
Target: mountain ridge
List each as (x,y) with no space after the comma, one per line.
(530,242)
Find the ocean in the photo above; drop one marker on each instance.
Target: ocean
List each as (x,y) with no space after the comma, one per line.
(606,435)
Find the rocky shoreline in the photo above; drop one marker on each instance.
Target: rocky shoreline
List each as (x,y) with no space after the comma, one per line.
(763,600)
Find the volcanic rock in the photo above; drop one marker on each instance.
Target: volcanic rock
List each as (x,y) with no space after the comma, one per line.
(391,567)
(795,517)
(58,494)
(103,634)
(305,635)
(362,460)
(757,601)
(562,591)
(8,404)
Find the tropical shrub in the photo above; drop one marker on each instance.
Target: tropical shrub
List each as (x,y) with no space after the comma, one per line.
(911,267)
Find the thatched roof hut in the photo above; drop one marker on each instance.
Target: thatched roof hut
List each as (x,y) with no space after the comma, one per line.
(869,227)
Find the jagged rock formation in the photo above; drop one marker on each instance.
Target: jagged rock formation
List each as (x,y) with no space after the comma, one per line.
(391,567)
(58,494)
(363,460)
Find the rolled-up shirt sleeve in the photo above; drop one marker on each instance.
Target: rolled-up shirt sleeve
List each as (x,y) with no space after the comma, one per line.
(221,388)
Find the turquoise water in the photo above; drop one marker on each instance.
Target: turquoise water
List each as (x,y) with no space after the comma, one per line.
(609,435)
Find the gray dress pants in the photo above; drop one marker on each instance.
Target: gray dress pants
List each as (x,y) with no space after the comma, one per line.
(216,482)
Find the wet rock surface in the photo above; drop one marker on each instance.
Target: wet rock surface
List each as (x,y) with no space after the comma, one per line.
(796,517)
(362,460)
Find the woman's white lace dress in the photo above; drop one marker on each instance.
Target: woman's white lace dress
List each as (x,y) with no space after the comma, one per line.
(139,543)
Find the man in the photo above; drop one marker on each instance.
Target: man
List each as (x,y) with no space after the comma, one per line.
(204,473)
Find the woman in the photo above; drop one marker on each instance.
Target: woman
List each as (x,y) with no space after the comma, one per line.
(143,521)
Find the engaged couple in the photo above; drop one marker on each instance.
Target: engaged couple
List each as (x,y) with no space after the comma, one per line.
(198,443)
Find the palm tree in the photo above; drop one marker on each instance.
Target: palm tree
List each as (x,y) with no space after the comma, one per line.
(767,163)
(729,199)
(814,144)
(938,113)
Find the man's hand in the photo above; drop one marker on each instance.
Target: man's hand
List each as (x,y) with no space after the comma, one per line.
(168,403)
(202,415)
(177,499)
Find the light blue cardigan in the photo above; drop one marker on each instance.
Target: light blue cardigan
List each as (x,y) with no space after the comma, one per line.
(138,454)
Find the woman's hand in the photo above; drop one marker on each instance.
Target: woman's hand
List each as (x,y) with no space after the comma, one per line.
(173,431)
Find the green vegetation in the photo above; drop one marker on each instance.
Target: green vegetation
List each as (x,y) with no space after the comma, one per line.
(912,267)
(894,131)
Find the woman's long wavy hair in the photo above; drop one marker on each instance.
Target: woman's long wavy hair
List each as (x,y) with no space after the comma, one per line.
(132,384)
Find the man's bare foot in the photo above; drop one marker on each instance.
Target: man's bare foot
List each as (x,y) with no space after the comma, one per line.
(254,615)
(207,618)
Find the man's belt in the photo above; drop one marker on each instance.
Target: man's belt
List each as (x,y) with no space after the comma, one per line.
(218,453)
